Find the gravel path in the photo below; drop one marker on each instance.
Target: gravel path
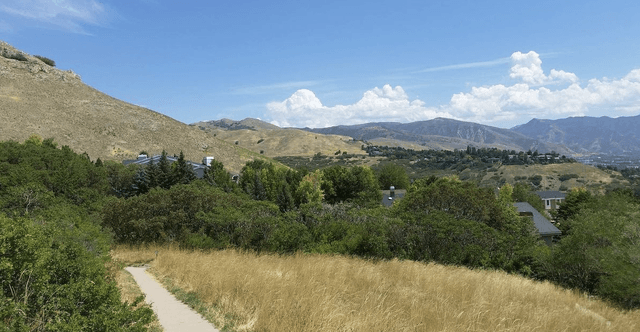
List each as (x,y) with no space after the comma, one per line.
(172,314)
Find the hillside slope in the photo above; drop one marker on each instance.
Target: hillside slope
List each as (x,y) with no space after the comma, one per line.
(36,98)
(588,134)
(272,141)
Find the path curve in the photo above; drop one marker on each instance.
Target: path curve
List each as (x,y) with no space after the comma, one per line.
(172,314)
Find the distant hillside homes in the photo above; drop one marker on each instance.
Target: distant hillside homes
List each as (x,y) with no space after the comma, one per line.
(145,160)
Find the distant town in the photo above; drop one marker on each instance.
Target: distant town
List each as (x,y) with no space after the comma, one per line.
(617,161)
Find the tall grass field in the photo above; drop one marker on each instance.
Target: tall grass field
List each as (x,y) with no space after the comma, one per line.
(333,293)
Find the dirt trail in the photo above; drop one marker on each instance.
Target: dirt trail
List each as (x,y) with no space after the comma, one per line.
(172,314)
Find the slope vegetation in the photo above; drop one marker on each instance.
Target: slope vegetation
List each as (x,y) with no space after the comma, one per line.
(332,293)
(36,98)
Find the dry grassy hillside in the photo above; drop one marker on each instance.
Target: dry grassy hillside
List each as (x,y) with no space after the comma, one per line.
(288,142)
(332,293)
(36,98)
(588,176)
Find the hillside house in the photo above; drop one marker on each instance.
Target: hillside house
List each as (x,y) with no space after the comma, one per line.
(392,195)
(551,199)
(545,228)
(144,160)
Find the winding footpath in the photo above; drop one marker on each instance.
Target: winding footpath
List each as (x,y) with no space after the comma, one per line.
(172,314)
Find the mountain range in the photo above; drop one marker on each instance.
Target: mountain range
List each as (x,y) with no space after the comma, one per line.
(586,135)
(37,98)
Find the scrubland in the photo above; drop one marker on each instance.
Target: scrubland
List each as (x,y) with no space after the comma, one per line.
(303,292)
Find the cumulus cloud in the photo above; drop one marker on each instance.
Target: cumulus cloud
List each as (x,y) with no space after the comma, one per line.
(66,14)
(528,97)
(533,94)
(304,109)
(528,68)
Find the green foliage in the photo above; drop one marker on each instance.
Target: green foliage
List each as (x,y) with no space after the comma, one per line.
(309,190)
(181,171)
(575,200)
(392,175)
(523,192)
(565,177)
(601,252)
(52,254)
(217,176)
(356,184)
(535,180)
(488,227)
(46,60)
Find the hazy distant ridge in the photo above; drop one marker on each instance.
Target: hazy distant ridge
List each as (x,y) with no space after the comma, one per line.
(588,134)
(458,134)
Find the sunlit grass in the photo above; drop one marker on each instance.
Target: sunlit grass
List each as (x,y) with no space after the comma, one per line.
(334,293)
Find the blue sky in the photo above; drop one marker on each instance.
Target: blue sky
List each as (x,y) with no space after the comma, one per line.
(323,63)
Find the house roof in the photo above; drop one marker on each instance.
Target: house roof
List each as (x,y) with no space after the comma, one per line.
(544,226)
(197,167)
(550,194)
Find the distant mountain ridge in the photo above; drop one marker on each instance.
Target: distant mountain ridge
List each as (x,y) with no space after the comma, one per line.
(447,134)
(588,134)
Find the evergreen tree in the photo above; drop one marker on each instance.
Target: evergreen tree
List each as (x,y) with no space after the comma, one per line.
(259,193)
(285,200)
(217,176)
(165,178)
(182,171)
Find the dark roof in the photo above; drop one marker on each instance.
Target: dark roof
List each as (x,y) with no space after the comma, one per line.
(197,167)
(550,194)
(544,226)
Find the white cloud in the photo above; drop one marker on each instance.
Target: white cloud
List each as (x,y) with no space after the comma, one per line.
(304,109)
(528,68)
(499,102)
(534,94)
(66,14)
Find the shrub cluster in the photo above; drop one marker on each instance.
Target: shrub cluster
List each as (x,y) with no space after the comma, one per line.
(52,252)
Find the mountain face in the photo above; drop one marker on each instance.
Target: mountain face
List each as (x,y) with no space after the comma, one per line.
(588,134)
(447,134)
(37,98)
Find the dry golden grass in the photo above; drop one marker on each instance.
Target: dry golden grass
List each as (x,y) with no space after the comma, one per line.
(333,293)
(589,176)
(288,142)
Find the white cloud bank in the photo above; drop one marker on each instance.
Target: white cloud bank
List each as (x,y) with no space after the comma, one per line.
(68,15)
(530,96)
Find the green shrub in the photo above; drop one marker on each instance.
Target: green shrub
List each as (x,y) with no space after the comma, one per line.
(565,177)
(46,60)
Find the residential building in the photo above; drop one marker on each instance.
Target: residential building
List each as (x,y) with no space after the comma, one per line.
(551,199)
(545,228)
(143,159)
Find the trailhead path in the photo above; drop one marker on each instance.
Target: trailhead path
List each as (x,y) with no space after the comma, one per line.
(172,314)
